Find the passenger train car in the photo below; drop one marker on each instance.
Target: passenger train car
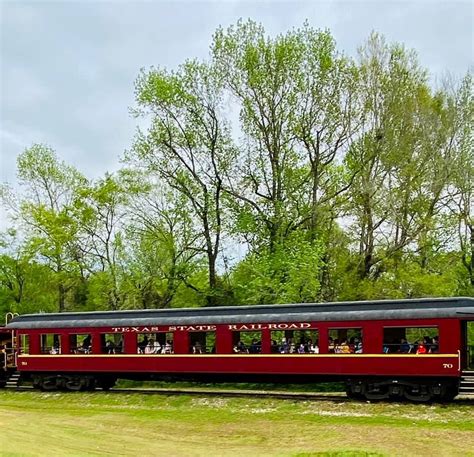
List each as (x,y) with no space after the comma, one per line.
(420,349)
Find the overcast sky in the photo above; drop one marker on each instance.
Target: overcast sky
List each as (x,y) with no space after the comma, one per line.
(67,68)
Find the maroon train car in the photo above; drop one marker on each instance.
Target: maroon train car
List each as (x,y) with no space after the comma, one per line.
(420,349)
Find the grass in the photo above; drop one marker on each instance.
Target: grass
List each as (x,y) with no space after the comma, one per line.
(302,387)
(70,424)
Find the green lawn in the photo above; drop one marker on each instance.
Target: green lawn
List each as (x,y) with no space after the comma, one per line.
(63,424)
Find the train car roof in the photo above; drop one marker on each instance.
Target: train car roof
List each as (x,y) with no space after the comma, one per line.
(422,308)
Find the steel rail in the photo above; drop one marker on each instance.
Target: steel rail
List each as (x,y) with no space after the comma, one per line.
(339,397)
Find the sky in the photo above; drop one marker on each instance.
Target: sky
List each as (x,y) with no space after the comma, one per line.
(67,68)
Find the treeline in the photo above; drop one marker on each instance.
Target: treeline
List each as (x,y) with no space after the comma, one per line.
(279,170)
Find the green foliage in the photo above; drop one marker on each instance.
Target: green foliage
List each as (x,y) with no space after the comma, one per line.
(406,280)
(289,274)
(25,285)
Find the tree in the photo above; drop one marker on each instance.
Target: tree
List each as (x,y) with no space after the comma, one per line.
(287,275)
(188,146)
(163,257)
(461,201)
(100,208)
(24,283)
(327,118)
(262,76)
(399,160)
(47,213)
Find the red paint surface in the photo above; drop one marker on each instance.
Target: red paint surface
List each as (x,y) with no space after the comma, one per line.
(444,364)
(410,365)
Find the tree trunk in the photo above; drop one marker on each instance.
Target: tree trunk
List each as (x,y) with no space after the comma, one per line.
(61,297)
(211,298)
(470,267)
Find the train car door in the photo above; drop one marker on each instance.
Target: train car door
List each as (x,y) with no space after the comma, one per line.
(467,350)
(7,345)
(7,356)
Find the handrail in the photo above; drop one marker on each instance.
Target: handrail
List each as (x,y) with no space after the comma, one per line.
(9,316)
(9,358)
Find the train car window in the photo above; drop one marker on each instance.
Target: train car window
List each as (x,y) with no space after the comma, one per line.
(410,340)
(24,344)
(50,343)
(202,342)
(345,341)
(80,343)
(247,342)
(111,343)
(295,341)
(155,343)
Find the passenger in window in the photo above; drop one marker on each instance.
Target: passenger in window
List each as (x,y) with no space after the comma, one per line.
(427,343)
(435,345)
(254,347)
(301,349)
(421,349)
(358,346)
(168,349)
(274,347)
(156,347)
(307,345)
(197,348)
(110,347)
(86,345)
(150,347)
(337,347)
(350,343)
(404,346)
(54,350)
(331,346)
(345,348)
(314,348)
(240,348)
(292,346)
(142,345)
(284,347)
(388,346)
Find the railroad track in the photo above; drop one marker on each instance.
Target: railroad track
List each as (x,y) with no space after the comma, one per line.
(325,396)
(330,396)
(307,396)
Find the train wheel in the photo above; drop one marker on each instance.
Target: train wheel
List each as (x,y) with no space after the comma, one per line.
(377,392)
(49,383)
(397,390)
(36,382)
(355,396)
(418,393)
(355,390)
(74,383)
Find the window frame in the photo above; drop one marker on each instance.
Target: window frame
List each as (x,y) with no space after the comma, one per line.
(412,345)
(356,350)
